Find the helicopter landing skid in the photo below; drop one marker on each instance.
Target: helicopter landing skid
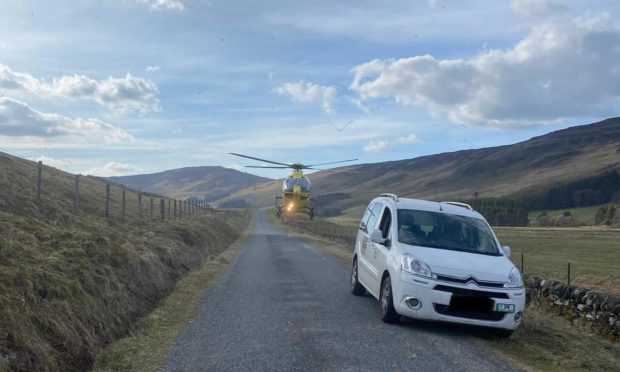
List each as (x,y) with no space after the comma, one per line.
(278,207)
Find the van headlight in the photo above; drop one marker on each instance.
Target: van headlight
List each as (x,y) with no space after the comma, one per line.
(514,279)
(414,266)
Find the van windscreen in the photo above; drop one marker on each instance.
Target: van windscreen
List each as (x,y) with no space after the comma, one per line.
(445,231)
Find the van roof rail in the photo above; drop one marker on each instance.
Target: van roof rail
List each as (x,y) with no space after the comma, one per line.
(388,195)
(459,204)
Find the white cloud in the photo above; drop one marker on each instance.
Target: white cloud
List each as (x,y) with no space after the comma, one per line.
(112,169)
(237,167)
(124,94)
(360,105)
(564,68)
(410,139)
(53,162)
(537,9)
(376,146)
(164,4)
(306,92)
(120,94)
(152,68)
(18,119)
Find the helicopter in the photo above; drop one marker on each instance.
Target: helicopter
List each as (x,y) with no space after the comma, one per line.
(296,196)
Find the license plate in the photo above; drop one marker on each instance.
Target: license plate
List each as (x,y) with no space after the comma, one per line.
(505,308)
(467,303)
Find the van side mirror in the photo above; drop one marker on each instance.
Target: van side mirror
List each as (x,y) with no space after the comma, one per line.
(377,237)
(506,250)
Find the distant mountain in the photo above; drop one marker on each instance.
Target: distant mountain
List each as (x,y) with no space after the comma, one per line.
(560,156)
(203,182)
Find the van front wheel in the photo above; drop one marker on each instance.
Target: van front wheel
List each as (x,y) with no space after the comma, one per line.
(356,287)
(388,313)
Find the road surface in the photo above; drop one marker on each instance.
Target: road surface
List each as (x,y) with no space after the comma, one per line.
(285,306)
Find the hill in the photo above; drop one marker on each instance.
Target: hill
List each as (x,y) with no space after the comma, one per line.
(70,283)
(210,183)
(561,156)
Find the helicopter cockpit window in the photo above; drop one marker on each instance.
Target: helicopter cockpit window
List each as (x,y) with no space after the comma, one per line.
(290,183)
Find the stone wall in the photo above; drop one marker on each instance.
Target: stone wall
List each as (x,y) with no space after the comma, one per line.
(593,311)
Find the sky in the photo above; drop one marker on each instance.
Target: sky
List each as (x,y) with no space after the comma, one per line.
(121,87)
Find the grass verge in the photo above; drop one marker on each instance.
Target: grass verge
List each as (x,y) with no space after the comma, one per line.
(147,345)
(543,343)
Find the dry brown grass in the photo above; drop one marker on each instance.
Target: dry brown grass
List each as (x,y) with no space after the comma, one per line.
(147,345)
(70,284)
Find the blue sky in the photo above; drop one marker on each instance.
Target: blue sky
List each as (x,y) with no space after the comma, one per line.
(137,86)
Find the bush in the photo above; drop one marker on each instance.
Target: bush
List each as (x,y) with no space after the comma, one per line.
(606,215)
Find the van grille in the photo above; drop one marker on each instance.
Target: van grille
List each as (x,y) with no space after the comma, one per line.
(470,292)
(490,315)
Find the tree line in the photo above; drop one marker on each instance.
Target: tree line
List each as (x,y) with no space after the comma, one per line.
(513,210)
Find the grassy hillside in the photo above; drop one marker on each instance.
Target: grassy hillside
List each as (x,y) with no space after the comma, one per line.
(72,283)
(203,182)
(560,156)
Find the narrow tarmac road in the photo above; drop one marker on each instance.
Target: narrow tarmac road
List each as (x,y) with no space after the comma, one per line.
(284,306)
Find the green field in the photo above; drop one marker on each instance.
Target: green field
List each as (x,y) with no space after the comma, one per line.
(594,254)
(583,215)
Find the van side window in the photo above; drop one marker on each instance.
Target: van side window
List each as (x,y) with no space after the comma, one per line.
(386,222)
(367,214)
(374,216)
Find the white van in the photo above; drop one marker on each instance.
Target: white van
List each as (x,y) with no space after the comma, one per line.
(436,261)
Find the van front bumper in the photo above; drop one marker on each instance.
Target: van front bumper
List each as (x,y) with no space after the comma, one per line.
(429,299)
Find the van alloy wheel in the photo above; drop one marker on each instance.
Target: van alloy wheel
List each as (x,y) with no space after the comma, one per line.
(388,313)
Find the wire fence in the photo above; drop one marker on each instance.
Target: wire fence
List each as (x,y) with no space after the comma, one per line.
(51,192)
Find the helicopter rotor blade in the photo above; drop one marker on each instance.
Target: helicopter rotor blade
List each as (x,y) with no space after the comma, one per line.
(259,159)
(265,166)
(333,162)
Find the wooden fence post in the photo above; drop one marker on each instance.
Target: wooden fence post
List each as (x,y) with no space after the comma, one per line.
(139,206)
(569,273)
(174,215)
(151,207)
(39,171)
(123,206)
(107,200)
(162,212)
(169,210)
(76,194)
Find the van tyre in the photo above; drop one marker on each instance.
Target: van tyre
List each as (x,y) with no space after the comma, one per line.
(356,287)
(388,313)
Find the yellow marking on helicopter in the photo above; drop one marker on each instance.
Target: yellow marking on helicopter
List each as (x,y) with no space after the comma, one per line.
(296,196)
